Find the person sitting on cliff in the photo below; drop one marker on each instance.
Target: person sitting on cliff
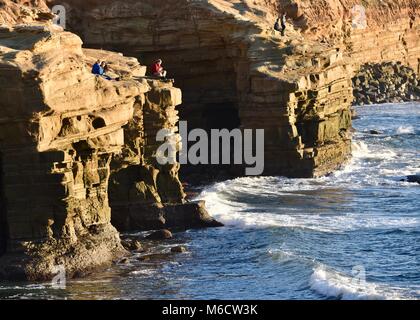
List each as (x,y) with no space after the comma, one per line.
(97,69)
(105,70)
(157,69)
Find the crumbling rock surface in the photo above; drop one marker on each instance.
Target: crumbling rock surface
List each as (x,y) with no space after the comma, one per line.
(64,135)
(78,152)
(236,72)
(24,11)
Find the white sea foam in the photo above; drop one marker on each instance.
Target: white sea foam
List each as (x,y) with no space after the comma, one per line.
(143,272)
(362,151)
(229,203)
(332,284)
(406,130)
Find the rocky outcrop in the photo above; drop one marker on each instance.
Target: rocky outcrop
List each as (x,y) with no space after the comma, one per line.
(236,72)
(59,126)
(370,31)
(24,11)
(83,152)
(75,147)
(387,82)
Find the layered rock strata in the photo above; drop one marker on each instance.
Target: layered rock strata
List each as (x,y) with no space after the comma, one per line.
(236,72)
(24,11)
(77,151)
(66,139)
(371,31)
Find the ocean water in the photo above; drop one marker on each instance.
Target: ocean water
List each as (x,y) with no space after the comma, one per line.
(352,235)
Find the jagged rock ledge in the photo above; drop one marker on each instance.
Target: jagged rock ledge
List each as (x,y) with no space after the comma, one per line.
(75,147)
(235,72)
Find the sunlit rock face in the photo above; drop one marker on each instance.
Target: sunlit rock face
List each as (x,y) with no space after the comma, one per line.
(78,152)
(64,133)
(236,72)
(24,11)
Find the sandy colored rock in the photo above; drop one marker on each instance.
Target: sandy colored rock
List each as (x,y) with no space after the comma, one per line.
(160,235)
(76,149)
(73,132)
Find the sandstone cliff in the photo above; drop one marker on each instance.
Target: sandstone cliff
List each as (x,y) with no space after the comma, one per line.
(392,30)
(77,152)
(234,71)
(24,11)
(64,135)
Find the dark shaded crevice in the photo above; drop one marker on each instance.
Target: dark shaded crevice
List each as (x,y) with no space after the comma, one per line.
(98,123)
(3,220)
(211,116)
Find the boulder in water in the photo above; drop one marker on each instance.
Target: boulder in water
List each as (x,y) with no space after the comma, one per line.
(178,249)
(414,179)
(160,235)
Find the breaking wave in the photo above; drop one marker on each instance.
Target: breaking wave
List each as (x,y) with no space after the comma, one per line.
(332,284)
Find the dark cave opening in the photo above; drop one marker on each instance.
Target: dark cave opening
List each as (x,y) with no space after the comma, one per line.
(98,123)
(211,116)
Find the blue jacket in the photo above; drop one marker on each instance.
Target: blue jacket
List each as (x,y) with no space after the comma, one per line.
(97,69)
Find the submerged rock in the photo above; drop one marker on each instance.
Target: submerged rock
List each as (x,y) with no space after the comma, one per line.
(414,179)
(160,235)
(132,245)
(137,246)
(179,249)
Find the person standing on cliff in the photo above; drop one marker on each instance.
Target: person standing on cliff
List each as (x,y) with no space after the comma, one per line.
(277,25)
(157,69)
(280,24)
(283,24)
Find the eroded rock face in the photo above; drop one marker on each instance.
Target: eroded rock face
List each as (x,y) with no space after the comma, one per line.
(24,11)
(63,134)
(390,32)
(236,72)
(76,149)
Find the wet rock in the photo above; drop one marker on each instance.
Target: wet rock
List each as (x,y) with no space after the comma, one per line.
(192,215)
(414,179)
(153,257)
(126,244)
(160,235)
(374,132)
(179,249)
(136,246)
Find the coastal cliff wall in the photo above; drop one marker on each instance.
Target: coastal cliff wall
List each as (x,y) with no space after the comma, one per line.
(64,133)
(77,152)
(236,72)
(391,31)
